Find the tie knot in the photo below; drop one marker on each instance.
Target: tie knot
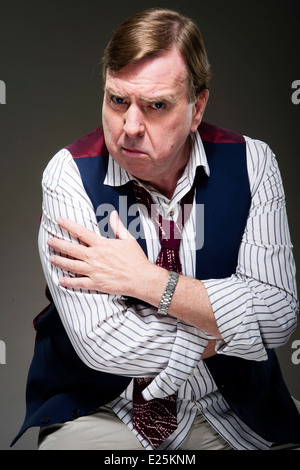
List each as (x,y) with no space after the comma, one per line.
(169,231)
(170,244)
(142,196)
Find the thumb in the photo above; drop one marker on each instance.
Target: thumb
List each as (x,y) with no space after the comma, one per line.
(117,226)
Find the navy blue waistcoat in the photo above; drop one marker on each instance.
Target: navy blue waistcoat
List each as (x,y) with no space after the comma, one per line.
(60,387)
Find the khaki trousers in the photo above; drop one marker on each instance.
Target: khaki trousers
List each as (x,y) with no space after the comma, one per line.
(105,431)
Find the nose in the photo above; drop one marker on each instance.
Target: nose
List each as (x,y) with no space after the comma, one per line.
(134,122)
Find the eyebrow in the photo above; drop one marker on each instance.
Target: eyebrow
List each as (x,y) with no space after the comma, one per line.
(156,99)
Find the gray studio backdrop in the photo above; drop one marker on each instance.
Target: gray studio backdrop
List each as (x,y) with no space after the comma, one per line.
(50,94)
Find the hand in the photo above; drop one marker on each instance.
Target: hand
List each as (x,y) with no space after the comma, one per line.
(210,349)
(111,266)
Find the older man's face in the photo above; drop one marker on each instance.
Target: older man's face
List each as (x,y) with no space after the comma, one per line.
(147,117)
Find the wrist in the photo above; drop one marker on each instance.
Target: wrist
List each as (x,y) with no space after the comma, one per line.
(167,296)
(150,284)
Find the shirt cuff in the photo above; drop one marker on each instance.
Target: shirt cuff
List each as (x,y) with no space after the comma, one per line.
(232,304)
(186,354)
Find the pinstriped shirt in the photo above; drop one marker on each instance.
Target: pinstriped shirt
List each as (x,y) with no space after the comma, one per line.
(255,308)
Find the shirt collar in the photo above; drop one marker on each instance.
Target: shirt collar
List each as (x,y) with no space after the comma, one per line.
(117,176)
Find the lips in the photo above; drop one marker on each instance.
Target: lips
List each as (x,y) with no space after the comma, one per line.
(133,151)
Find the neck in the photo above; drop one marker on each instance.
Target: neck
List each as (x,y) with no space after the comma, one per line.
(164,186)
(166,183)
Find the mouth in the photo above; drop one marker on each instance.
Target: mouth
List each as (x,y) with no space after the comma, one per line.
(132,151)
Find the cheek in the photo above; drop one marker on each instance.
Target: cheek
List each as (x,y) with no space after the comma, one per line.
(175,135)
(111,128)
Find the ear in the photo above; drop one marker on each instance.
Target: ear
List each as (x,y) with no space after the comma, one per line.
(199,108)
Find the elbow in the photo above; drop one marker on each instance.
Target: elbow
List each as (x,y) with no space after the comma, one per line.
(283,326)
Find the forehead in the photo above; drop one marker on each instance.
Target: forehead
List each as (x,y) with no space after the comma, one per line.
(150,77)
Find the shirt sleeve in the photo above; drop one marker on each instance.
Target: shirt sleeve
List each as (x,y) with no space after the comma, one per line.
(106,334)
(256,308)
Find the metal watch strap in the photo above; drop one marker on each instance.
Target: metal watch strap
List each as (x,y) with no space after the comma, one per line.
(168,293)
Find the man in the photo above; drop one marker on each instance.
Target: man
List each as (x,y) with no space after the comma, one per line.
(186,305)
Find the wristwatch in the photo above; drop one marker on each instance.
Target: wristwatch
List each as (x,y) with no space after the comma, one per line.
(168,293)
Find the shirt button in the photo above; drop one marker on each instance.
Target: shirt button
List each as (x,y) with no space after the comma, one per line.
(45,419)
(75,413)
(171,213)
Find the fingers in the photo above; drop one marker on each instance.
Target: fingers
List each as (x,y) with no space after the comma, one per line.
(84,234)
(88,236)
(84,283)
(69,265)
(92,256)
(73,250)
(117,226)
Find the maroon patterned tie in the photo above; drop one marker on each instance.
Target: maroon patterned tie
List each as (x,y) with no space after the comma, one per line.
(157,419)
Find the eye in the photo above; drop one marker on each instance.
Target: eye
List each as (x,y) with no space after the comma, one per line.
(158,105)
(118,100)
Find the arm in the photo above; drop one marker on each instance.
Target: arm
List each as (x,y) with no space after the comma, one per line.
(257,306)
(106,334)
(98,261)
